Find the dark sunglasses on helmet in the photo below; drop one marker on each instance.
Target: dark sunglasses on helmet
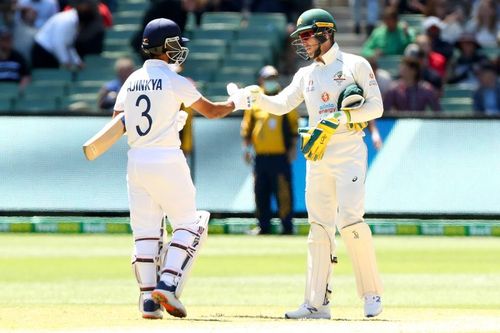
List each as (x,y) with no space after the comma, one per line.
(306,34)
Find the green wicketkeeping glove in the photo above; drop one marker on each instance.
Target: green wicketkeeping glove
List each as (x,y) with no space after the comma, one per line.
(318,138)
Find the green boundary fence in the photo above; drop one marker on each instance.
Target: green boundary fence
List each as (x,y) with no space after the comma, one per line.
(120,225)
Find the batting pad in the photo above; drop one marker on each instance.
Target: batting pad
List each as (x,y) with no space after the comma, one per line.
(359,243)
(144,263)
(321,245)
(182,251)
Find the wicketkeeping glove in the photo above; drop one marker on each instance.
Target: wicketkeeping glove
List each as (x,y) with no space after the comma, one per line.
(243,99)
(315,140)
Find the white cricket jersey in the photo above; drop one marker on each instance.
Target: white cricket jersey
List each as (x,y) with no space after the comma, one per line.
(320,85)
(151,98)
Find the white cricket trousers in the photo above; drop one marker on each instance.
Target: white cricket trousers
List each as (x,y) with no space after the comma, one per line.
(159,183)
(335,186)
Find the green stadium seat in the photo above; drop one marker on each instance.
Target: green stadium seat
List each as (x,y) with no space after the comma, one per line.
(123,31)
(135,6)
(390,64)
(231,19)
(80,102)
(414,21)
(208,46)
(190,24)
(273,22)
(9,88)
(96,74)
(244,78)
(127,17)
(491,52)
(52,74)
(117,44)
(85,87)
(265,51)
(462,105)
(213,89)
(275,39)
(242,60)
(214,32)
(44,89)
(6,104)
(199,74)
(451,91)
(36,104)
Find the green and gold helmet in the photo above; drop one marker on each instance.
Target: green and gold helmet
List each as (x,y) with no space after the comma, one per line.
(316,20)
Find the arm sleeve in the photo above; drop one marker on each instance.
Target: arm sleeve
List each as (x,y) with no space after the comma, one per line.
(64,45)
(120,99)
(287,100)
(373,106)
(185,92)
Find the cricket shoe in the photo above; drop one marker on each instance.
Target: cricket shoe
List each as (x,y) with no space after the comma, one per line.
(165,296)
(373,305)
(151,310)
(306,311)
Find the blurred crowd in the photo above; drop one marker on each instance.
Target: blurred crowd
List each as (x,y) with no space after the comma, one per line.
(454,45)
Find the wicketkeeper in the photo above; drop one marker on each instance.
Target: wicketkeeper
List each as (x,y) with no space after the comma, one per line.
(341,95)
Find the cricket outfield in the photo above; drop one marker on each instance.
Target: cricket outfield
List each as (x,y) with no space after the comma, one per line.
(84,283)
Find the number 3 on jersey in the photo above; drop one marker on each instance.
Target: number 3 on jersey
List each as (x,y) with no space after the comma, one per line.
(144,114)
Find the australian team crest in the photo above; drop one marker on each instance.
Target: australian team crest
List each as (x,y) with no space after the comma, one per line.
(325,97)
(339,77)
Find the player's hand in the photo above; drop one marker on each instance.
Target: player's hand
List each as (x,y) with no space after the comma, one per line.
(245,98)
(314,148)
(181,118)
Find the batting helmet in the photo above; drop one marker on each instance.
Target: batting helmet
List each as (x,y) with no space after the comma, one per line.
(164,36)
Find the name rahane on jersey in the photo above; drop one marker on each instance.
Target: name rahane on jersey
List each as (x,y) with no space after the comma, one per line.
(145,85)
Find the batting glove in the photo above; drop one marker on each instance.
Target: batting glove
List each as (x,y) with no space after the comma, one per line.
(245,98)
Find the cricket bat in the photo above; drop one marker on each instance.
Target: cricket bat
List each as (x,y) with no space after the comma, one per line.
(105,138)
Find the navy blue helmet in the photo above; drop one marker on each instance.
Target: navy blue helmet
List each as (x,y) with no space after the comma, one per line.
(164,36)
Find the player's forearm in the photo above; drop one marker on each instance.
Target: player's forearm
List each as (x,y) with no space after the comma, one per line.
(372,109)
(277,104)
(220,110)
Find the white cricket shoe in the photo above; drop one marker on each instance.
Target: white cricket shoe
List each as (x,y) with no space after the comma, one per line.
(308,312)
(167,299)
(373,305)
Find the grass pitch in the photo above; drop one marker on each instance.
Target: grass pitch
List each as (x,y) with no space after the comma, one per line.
(84,283)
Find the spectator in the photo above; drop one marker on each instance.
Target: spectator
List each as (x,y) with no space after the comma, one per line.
(410,93)
(391,38)
(485,23)
(433,26)
(463,69)
(93,21)
(51,52)
(44,9)
(24,32)
(454,24)
(7,12)
(433,60)
(13,67)
(372,9)
(273,139)
(414,51)
(487,96)
(407,6)
(107,95)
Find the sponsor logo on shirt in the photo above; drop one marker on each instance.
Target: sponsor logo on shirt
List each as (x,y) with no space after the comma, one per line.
(325,97)
(339,77)
(327,108)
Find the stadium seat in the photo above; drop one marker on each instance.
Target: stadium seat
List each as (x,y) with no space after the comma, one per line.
(207,46)
(414,21)
(231,19)
(244,78)
(116,44)
(122,31)
(85,87)
(452,91)
(265,51)
(44,89)
(35,105)
(52,74)
(96,74)
(135,6)
(213,89)
(273,22)
(215,32)
(244,60)
(458,105)
(127,17)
